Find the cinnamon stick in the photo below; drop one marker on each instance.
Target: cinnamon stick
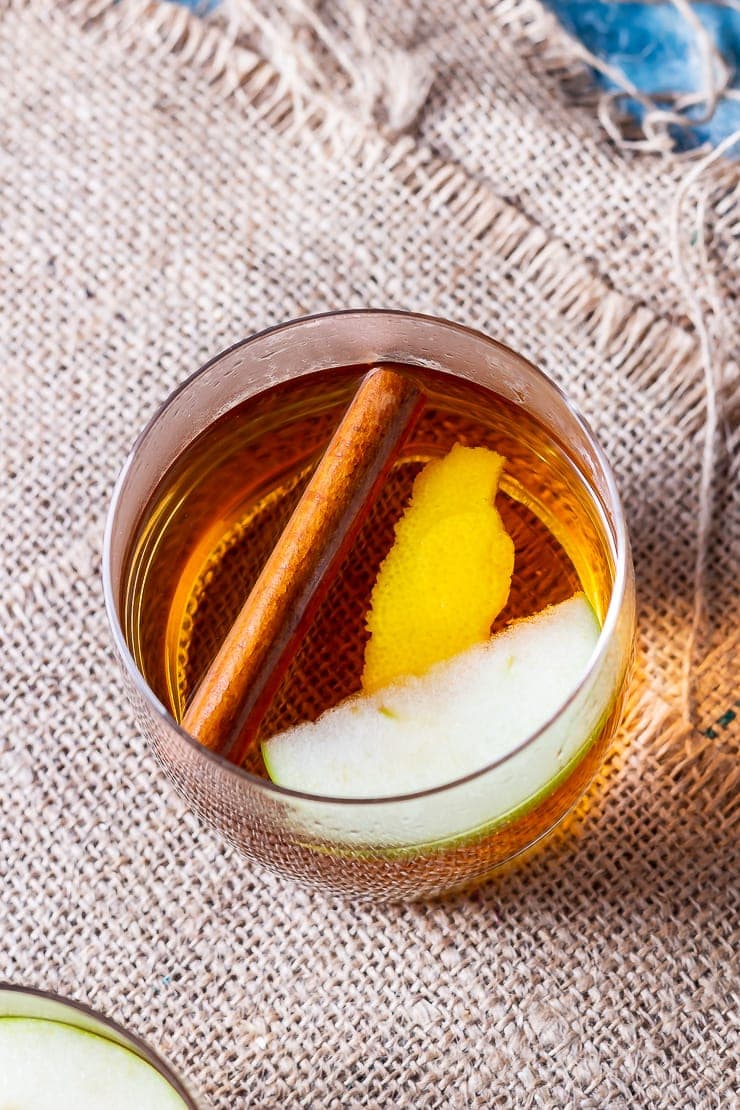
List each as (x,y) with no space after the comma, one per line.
(232,697)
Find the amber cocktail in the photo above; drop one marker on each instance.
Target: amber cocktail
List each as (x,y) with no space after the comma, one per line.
(205,496)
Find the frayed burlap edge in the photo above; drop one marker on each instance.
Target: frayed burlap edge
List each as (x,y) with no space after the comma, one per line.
(645,346)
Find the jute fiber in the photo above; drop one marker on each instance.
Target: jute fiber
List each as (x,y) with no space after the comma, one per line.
(169,185)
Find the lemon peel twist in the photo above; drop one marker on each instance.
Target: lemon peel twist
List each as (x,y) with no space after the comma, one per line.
(448,574)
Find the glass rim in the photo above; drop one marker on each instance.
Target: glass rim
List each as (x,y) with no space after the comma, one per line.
(137,1044)
(606,633)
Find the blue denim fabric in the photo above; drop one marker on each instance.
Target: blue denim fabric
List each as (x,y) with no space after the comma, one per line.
(654,47)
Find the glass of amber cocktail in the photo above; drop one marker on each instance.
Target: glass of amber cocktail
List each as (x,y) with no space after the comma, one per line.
(393,753)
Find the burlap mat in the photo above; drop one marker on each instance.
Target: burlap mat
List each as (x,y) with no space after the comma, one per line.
(164,192)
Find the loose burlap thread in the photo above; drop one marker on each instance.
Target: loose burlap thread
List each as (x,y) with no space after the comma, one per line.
(170,185)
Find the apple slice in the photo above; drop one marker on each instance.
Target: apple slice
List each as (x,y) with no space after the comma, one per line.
(47,1065)
(454,720)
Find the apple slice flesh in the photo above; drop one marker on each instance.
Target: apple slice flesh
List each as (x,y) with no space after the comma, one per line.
(47,1065)
(460,716)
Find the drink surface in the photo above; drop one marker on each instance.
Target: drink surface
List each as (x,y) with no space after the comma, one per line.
(214,519)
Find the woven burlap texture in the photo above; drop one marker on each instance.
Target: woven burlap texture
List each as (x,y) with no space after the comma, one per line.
(164,190)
